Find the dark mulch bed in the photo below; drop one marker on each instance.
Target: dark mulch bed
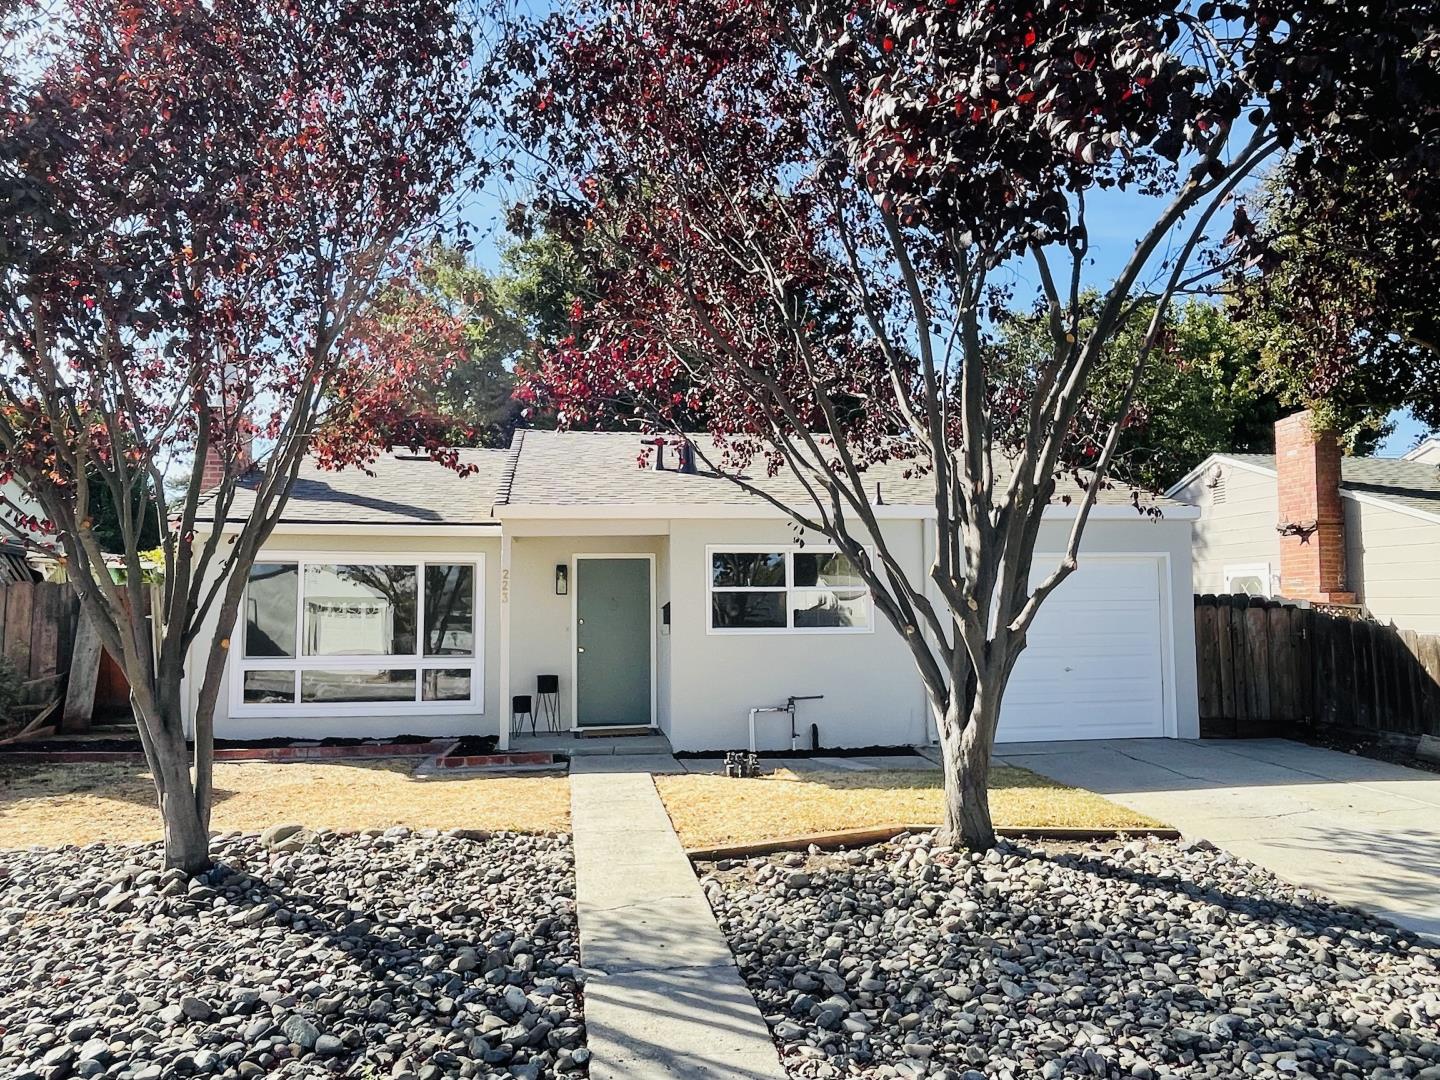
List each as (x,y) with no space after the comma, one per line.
(791,755)
(474,746)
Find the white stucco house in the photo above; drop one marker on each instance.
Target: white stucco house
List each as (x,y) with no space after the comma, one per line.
(415,600)
(1307,524)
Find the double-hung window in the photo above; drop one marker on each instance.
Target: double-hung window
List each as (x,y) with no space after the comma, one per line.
(786,589)
(351,634)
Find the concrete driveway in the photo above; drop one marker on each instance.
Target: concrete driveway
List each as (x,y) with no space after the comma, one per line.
(1361,831)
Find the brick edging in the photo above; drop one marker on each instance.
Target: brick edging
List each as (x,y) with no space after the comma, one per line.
(486,761)
(258,753)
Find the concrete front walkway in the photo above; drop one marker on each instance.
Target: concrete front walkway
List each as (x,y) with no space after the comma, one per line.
(663,997)
(1363,832)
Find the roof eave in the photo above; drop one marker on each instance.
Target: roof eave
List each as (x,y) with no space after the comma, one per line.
(1215,459)
(1262,470)
(431,528)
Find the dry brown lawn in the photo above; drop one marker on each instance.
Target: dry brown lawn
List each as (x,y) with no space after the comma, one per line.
(713,811)
(78,804)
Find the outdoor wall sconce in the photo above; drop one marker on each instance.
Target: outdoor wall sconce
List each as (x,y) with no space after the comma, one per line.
(562,579)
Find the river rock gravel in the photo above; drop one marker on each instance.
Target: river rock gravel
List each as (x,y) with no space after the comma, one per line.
(1141,959)
(403,954)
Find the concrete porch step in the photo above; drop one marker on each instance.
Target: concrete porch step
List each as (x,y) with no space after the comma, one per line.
(650,742)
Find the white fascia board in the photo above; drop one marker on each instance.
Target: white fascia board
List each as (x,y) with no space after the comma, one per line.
(480,528)
(675,511)
(1178,512)
(698,511)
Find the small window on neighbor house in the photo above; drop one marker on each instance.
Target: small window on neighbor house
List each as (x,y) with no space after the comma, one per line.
(801,589)
(1250,580)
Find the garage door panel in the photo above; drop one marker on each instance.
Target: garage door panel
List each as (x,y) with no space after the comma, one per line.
(1094,664)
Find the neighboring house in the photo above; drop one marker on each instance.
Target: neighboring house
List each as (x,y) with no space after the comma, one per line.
(1428,452)
(1306,523)
(14,562)
(415,600)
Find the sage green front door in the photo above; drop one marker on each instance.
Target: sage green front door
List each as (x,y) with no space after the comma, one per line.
(612,642)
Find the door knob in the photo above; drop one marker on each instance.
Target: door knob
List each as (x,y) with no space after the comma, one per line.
(580,649)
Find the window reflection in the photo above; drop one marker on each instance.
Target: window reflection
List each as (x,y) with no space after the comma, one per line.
(449,610)
(270,598)
(447,684)
(269,687)
(318,686)
(360,610)
(747,569)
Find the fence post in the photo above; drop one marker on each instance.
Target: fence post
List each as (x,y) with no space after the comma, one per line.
(19,600)
(1212,720)
(1430,703)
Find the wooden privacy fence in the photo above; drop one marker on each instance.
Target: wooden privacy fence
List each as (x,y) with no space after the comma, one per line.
(37,633)
(1265,667)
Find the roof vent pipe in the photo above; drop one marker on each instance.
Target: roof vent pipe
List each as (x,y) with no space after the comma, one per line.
(687,457)
(658,463)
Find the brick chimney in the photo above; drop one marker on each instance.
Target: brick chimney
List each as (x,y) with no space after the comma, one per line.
(1312,519)
(214,470)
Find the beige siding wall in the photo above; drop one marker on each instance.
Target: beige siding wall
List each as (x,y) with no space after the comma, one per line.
(872,692)
(1238,531)
(705,683)
(379,720)
(1399,559)
(542,624)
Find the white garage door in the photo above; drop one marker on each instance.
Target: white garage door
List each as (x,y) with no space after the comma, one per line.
(1094,666)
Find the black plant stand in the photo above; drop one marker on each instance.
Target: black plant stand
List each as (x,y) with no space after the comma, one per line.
(547,689)
(521,707)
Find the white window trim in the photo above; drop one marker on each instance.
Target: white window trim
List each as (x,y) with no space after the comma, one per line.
(239,663)
(1255,569)
(789,551)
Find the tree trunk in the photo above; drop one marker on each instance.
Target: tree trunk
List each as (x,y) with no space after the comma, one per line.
(187,840)
(966,754)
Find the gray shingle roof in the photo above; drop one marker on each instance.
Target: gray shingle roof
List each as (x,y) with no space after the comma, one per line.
(404,489)
(603,468)
(1413,484)
(551,468)
(594,468)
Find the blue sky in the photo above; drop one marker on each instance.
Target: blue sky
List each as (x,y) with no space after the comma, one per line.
(1115,217)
